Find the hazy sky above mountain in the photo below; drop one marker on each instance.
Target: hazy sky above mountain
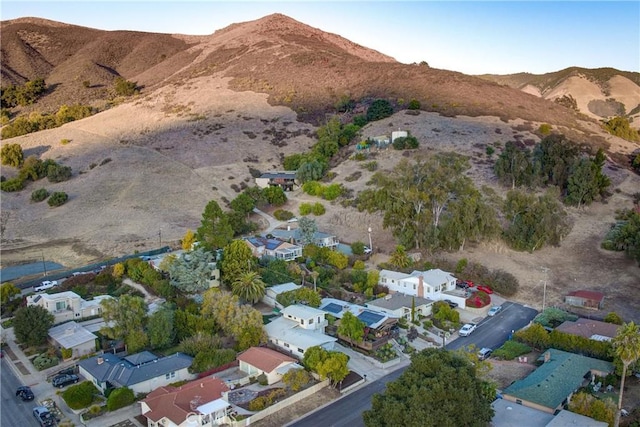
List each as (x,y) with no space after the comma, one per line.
(498,37)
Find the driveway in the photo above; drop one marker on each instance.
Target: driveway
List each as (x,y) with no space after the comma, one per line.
(494,331)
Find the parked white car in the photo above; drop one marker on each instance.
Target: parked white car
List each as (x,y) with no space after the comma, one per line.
(466,330)
(47,284)
(494,310)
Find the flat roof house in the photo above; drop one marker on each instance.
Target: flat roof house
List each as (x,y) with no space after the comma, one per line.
(399,305)
(299,328)
(73,336)
(68,305)
(199,402)
(284,179)
(320,239)
(142,372)
(272,292)
(550,386)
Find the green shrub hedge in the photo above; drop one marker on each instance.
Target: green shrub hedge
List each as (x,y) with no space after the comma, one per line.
(80,395)
(44,361)
(119,398)
(510,350)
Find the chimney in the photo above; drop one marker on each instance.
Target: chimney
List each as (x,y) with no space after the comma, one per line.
(288,228)
(547,356)
(420,286)
(100,360)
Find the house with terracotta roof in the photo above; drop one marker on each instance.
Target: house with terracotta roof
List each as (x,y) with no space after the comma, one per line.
(592,329)
(199,402)
(552,384)
(586,299)
(262,360)
(141,372)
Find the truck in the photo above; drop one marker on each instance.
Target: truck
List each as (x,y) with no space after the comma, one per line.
(47,284)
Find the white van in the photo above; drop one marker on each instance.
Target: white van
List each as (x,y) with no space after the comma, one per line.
(47,284)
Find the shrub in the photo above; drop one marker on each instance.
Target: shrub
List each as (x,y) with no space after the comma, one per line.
(614,318)
(379,109)
(44,361)
(259,403)
(39,195)
(66,353)
(11,185)
(490,150)
(332,192)
(478,299)
(296,379)
(371,166)
(11,155)
(313,188)
(461,265)
(262,379)
(58,173)
(545,129)
(318,209)
(503,282)
(80,395)
(210,359)
(58,199)
(357,248)
(119,398)
(414,104)
(65,141)
(124,87)
(282,215)
(305,208)
(427,324)
(510,350)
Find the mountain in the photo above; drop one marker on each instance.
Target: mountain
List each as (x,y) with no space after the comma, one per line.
(599,93)
(298,66)
(214,111)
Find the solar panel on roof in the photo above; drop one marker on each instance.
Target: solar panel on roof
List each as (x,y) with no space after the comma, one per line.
(333,308)
(370,318)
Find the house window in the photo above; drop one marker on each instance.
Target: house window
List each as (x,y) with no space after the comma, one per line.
(77,314)
(384,280)
(414,286)
(300,350)
(302,321)
(170,375)
(61,305)
(286,345)
(311,321)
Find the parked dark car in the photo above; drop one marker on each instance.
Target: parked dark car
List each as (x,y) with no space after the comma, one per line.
(44,417)
(24,393)
(64,380)
(451,303)
(484,353)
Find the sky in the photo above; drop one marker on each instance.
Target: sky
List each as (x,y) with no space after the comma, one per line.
(472,37)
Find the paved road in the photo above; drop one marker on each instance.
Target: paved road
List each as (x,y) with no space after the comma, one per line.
(492,332)
(14,412)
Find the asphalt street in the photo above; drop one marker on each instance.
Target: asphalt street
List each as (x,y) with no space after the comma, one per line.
(491,332)
(14,412)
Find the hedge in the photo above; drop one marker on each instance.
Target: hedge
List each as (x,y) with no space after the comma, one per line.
(119,398)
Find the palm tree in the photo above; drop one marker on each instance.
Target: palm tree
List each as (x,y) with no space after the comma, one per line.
(249,287)
(399,258)
(626,345)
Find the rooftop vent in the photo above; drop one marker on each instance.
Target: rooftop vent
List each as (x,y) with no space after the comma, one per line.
(100,360)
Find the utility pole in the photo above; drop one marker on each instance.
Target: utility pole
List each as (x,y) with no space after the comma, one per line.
(370,244)
(544,288)
(160,236)
(44,265)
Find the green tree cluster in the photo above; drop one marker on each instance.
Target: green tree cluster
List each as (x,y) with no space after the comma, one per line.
(31,325)
(406,143)
(191,271)
(351,328)
(215,231)
(127,317)
(296,379)
(302,295)
(378,110)
(620,126)
(23,95)
(327,364)
(249,287)
(592,407)
(119,398)
(536,336)
(140,271)
(81,395)
(440,388)
(35,121)
(124,87)
(625,235)
(237,259)
(58,198)
(12,155)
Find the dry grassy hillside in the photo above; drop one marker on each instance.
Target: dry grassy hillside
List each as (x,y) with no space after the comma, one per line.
(216,106)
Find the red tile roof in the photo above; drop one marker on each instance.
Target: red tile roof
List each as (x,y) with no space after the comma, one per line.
(175,403)
(592,295)
(264,358)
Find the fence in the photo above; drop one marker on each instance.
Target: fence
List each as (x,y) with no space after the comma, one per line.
(281,405)
(88,268)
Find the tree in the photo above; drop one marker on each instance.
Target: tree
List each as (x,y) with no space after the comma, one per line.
(626,345)
(379,109)
(308,229)
(11,155)
(191,271)
(237,259)
(310,171)
(243,204)
(614,318)
(215,231)
(399,258)
(620,126)
(581,185)
(31,325)
(302,295)
(275,195)
(514,166)
(414,104)
(334,367)
(7,291)
(351,327)
(554,158)
(534,221)
(440,388)
(127,316)
(276,272)
(160,328)
(357,248)
(188,240)
(248,287)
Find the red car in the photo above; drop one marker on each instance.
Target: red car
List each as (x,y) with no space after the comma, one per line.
(485,289)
